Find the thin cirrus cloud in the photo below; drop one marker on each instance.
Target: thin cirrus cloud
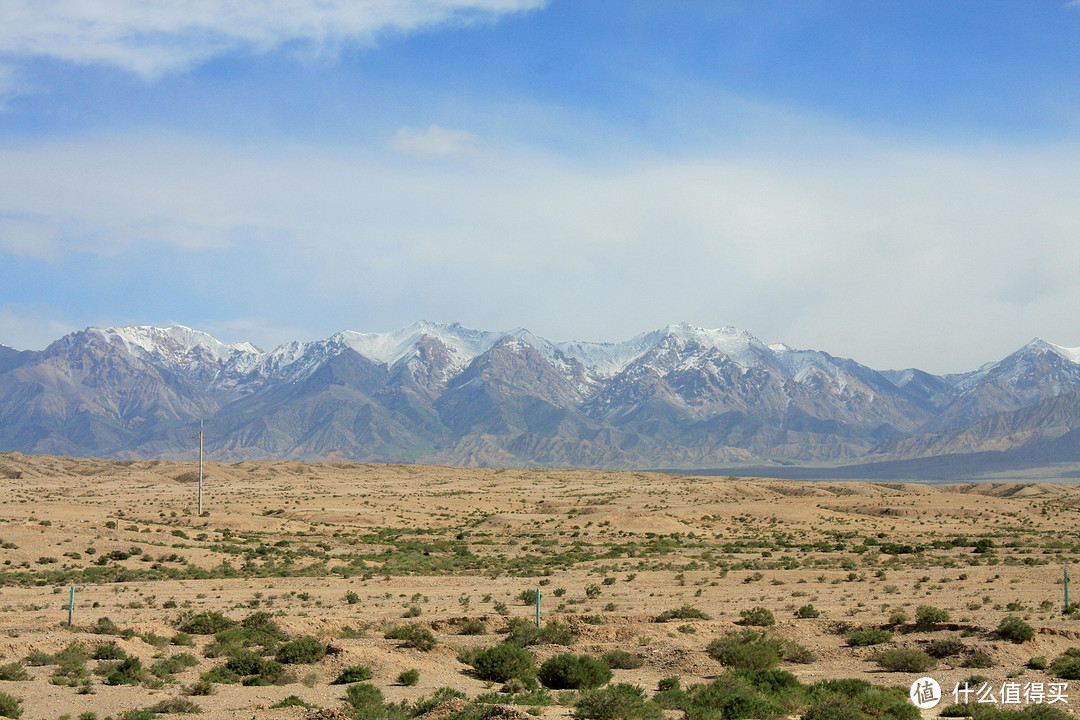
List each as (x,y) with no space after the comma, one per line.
(154,38)
(435,141)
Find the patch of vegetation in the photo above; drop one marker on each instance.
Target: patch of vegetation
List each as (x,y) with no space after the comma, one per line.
(176,705)
(757,617)
(945,647)
(523,633)
(1015,630)
(926,615)
(622,660)
(905,660)
(864,637)
(686,612)
(412,636)
(574,672)
(13,671)
(293,701)
(9,706)
(807,611)
(301,651)
(352,674)
(408,677)
(621,701)
(756,650)
(501,662)
(204,623)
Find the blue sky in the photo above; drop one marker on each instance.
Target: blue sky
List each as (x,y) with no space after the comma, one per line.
(892,182)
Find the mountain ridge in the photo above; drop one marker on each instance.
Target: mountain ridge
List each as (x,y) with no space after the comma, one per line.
(679,396)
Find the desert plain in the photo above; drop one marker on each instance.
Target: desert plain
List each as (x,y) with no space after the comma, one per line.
(655,565)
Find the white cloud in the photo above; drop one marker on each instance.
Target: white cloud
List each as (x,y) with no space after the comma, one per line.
(153,38)
(433,142)
(893,255)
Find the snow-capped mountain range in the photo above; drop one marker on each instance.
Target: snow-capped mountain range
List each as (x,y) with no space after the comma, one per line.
(680,396)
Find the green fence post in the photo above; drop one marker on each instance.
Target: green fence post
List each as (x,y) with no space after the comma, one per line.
(537,607)
(71,605)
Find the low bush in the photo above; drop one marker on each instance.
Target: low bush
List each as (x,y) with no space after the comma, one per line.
(412,636)
(979,659)
(108,651)
(204,623)
(747,649)
(930,615)
(574,672)
(473,626)
(807,611)
(1067,665)
(622,660)
(293,701)
(501,662)
(408,677)
(869,636)
(9,706)
(757,617)
(686,612)
(1015,630)
(944,648)
(523,633)
(13,671)
(176,705)
(128,671)
(616,702)
(905,660)
(352,674)
(1037,663)
(364,696)
(301,651)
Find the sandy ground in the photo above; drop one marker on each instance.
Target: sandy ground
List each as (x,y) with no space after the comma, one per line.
(609,552)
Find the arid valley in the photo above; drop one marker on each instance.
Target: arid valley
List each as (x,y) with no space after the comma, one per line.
(398,568)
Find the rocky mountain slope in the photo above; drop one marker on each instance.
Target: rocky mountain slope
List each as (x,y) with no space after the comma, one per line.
(678,397)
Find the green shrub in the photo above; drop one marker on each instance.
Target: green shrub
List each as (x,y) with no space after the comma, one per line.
(574,672)
(204,623)
(473,626)
(37,658)
(293,701)
(1015,630)
(412,636)
(523,633)
(108,651)
(616,702)
(9,706)
(944,648)
(930,615)
(301,651)
(852,699)
(176,705)
(622,660)
(954,711)
(13,671)
(352,674)
(1067,665)
(527,597)
(501,662)
(201,687)
(363,696)
(1036,663)
(244,662)
(686,612)
(807,611)
(757,617)
(671,682)
(408,677)
(747,649)
(979,659)
(868,636)
(732,697)
(905,660)
(128,671)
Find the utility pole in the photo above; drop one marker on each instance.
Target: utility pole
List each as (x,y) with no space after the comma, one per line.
(200,465)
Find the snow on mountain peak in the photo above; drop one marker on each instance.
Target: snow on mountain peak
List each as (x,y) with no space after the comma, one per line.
(1070,354)
(176,342)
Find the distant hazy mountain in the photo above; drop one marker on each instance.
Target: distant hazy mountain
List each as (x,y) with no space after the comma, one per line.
(676,397)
